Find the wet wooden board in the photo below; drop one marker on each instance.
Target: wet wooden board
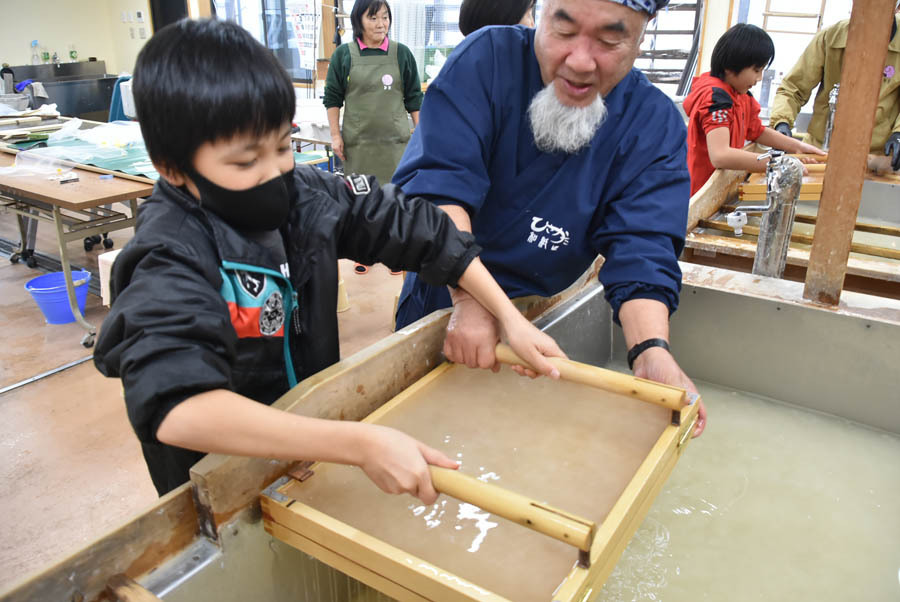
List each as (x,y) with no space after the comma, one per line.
(725,189)
(812,184)
(759,198)
(799,237)
(712,245)
(137,547)
(722,187)
(580,449)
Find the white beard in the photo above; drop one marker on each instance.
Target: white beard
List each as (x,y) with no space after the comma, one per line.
(557,127)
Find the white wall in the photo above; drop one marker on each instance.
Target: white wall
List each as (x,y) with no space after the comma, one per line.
(788,47)
(93,27)
(125,48)
(716,24)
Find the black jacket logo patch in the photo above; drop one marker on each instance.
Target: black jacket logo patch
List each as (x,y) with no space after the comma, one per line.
(253,284)
(271,318)
(359,184)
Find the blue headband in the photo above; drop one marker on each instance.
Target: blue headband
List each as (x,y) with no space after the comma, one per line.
(648,6)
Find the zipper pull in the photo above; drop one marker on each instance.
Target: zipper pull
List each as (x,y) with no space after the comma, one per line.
(295,315)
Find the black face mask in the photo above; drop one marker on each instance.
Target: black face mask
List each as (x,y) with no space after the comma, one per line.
(263,207)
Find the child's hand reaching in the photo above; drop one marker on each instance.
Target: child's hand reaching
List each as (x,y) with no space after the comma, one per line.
(397,463)
(532,345)
(805,150)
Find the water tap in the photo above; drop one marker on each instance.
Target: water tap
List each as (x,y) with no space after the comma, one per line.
(829,124)
(738,219)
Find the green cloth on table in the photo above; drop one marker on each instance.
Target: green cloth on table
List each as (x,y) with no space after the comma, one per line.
(131,159)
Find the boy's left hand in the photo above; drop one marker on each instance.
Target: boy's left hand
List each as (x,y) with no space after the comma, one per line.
(809,149)
(533,346)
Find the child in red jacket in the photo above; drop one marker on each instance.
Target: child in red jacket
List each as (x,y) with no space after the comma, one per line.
(723,115)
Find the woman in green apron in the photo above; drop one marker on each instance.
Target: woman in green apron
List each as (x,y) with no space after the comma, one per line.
(378,80)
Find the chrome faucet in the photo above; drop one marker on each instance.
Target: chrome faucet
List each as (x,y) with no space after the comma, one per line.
(784,176)
(829,125)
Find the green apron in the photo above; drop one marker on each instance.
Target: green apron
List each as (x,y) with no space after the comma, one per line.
(375,127)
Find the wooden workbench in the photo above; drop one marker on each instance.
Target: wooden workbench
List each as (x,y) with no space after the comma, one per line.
(873,266)
(77,210)
(754,189)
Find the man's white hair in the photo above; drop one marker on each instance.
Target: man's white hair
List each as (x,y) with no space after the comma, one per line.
(561,128)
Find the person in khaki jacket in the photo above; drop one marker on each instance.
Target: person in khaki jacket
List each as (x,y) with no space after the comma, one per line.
(820,65)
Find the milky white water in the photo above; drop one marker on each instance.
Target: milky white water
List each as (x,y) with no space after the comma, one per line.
(772,503)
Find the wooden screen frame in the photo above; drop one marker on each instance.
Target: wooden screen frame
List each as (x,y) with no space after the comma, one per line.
(406,577)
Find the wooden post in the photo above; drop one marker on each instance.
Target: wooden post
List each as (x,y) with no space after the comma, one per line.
(328,46)
(867,43)
(199,9)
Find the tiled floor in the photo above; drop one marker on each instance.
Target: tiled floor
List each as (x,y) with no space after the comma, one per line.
(70,466)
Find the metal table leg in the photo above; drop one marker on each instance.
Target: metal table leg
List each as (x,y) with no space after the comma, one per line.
(88,339)
(23,238)
(31,240)
(27,237)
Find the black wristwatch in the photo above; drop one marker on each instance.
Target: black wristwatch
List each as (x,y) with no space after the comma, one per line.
(643,346)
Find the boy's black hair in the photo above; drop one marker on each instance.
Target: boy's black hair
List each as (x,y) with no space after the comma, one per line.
(742,46)
(475,14)
(366,7)
(199,81)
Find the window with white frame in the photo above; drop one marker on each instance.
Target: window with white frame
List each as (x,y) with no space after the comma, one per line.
(791,35)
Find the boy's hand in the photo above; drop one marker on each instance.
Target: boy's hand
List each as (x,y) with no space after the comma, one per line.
(397,463)
(533,346)
(526,340)
(809,149)
(473,334)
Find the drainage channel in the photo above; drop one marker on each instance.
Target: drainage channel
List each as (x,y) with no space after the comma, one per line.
(45,374)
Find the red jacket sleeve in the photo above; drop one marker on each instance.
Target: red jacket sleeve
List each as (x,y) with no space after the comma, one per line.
(716,110)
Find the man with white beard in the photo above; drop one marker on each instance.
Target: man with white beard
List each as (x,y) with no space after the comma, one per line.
(551,149)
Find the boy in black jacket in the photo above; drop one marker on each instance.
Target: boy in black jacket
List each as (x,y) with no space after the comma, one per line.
(226,295)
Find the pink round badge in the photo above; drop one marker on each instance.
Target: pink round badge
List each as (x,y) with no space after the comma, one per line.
(386,79)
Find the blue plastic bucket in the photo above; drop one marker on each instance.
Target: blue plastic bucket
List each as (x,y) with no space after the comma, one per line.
(49,292)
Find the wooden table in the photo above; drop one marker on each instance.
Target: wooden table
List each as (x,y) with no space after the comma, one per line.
(76,209)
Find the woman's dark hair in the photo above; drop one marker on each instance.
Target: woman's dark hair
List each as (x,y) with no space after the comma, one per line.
(366,7)
(199,81)
(742,46)
(475,14)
